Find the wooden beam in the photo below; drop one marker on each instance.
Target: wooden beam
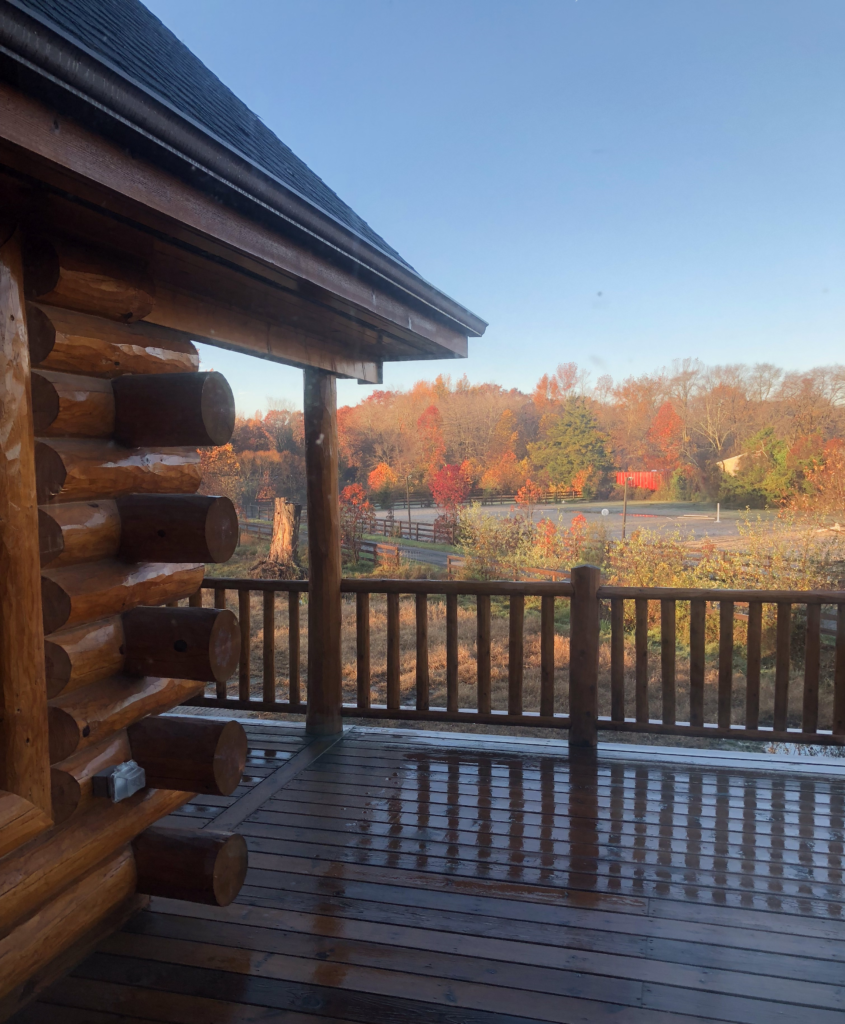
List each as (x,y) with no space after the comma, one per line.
(191,754)
(325,694)
(24,760)
(186,864)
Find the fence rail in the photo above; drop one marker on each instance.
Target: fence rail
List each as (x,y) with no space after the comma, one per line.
(559,654)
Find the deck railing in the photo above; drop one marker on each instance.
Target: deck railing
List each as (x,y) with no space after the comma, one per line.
(567,654)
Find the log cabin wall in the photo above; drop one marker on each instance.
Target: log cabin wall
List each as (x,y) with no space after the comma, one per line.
(100,527)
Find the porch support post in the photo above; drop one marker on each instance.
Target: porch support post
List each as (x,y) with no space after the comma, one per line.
(584,657)
(24,755)
(324,662)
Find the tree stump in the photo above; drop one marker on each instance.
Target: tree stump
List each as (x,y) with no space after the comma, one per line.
(283,561)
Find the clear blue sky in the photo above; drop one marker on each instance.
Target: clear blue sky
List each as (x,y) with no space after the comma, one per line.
(615,182)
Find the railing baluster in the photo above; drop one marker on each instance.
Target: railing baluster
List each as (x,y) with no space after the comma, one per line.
(697,620)
(243,667)
(195,600)
(294,695)
(667,660)
(812,666)
(269,646)
(422,651)
(617,659)
(482,648)
(451,652)
(220,602)
(393,651)
(752,671)
(784,630)
(839,674)
(362,633)
(516,665)
(547,656)
(726,662)
(641,646)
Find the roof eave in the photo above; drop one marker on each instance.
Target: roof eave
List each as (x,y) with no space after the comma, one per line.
(64,62)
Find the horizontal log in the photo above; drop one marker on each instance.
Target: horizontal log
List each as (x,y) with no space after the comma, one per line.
(190,753)
(84,654)
(139,528)
(177,527)
(82,470)
(67,405)
(20,821)
(70,779)
(79,531)
(64,272)
(188,643)
(62,921)
(77,343)
(87,716)
(36,873)
(95,590)
(186,864)
(195,409)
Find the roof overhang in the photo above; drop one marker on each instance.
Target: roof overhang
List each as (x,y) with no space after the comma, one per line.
(117,162)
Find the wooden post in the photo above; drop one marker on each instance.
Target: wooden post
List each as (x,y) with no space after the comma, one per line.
(584,656)
(325,688)
(24,757)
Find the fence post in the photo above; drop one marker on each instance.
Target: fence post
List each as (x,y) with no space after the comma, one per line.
(584,657)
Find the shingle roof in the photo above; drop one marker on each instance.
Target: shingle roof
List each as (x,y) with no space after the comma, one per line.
(132,40)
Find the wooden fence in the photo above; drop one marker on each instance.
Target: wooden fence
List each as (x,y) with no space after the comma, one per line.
(629,643)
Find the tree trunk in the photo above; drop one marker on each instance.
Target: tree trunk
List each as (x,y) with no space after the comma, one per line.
(285,543)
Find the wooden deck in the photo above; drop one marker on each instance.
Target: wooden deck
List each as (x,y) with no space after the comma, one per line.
(406,876)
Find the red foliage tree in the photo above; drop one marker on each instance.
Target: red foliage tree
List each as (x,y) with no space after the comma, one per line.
(450,487)
(665,438)
(357,517)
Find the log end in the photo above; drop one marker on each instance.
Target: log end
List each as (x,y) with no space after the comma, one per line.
(230,758)
(221,530)
(41,334)
(185,864)
(64,734)
(45,403)
(218,409)
(50,472)
(66,794)
(51,540)
(55,605)
(224,645)
(59,668)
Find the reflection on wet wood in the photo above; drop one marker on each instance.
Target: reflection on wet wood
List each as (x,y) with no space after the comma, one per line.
(400,879)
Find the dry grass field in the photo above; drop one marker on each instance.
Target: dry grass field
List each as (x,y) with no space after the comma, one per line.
(499,660)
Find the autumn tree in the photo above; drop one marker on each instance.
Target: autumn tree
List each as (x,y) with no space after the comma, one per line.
(573,443)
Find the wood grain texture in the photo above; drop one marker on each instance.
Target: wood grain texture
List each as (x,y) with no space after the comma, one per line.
(188,643)
(584,657)
(482,653)
(67,405)
(667,660)
(33,875)
(24,767)
(516,664)
(77,343)
(89,715)
(697,623)
(190,754)
(84,654)
(753,664)
(362,649)
(184,864)
(57,925)
(617,659)
(196,409)
(177,528)
(20,821)
(80,531)
(325,683)
(641,658)
(294,695)
(421,669)
(71,274)
(96,590)
(70,779)
(452,653)
(393,667)
(726,662)
(268,652)
(83,470)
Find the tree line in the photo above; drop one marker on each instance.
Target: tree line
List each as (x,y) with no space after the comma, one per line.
(684,422)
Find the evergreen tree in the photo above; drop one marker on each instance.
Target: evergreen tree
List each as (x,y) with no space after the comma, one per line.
(574,443)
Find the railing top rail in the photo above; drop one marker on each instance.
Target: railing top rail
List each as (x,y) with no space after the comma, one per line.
(528,588)
(715,594)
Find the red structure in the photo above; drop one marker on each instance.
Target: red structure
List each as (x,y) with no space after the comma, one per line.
(650,481)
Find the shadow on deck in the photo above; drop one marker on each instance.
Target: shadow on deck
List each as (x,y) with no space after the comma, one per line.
(405,876)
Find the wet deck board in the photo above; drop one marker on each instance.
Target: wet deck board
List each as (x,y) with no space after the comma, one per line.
(403,878)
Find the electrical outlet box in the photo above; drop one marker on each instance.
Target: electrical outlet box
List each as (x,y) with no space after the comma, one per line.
(119,781)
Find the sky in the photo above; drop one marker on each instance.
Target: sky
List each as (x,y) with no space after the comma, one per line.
(618,183)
